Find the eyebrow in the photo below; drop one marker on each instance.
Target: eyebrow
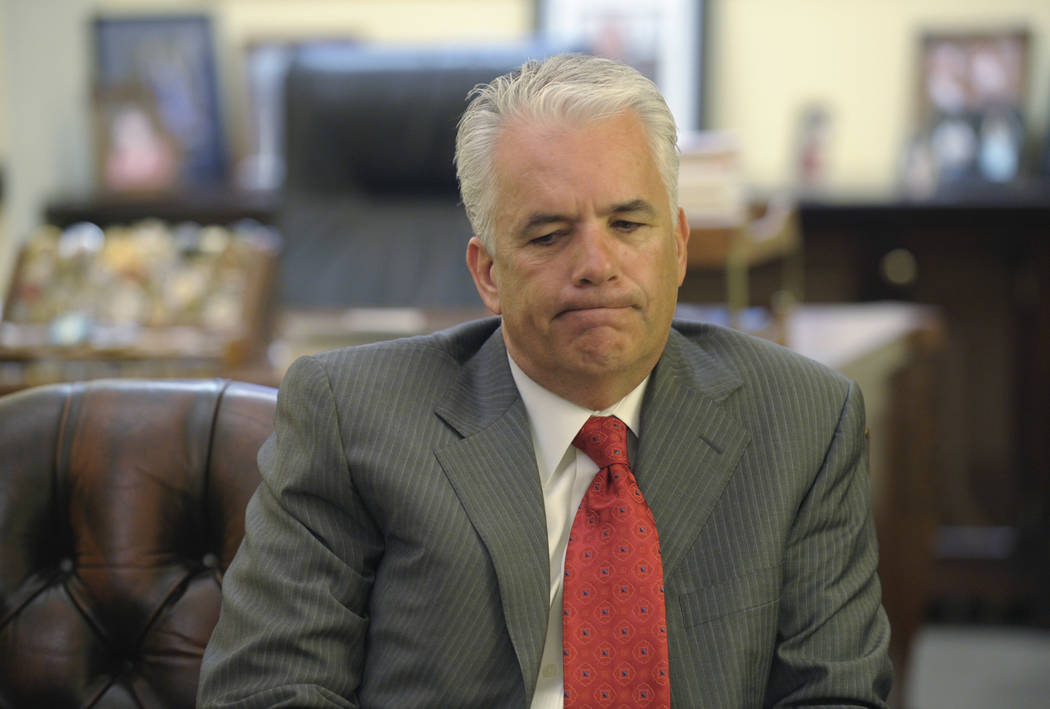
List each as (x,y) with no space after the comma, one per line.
(538,219)
(635,205)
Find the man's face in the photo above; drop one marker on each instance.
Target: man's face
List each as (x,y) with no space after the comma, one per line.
(588,255)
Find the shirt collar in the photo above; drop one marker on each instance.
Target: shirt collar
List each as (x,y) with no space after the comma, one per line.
(555,421)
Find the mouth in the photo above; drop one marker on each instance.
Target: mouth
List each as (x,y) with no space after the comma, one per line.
(596,309)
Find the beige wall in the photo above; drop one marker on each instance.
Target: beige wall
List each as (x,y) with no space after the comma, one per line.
(241,22)
(386,20)
(4,68)
(768,59)
(46,101)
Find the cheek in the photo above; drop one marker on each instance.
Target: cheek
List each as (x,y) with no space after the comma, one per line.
(510,294)
(520,285)
(671,268)
(651,269)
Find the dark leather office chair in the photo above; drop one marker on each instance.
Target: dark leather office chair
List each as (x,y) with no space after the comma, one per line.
(370,207)
(121,504)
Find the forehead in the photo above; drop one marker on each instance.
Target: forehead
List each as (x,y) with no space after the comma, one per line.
(561,163)
(539,142)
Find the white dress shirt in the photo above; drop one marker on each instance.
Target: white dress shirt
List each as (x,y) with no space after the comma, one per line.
(565,473)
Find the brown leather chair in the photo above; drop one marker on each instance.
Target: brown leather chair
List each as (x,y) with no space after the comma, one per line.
(121,504)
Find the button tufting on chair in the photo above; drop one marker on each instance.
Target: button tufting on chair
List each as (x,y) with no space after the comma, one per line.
(121,505)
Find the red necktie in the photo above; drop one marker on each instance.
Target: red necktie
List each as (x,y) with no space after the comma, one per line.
(614,623)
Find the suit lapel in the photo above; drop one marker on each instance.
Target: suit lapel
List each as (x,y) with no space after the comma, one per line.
(689,445)
(688,450)
(493,471)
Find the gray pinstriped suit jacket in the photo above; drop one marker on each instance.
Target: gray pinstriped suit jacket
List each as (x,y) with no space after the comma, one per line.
(396,555)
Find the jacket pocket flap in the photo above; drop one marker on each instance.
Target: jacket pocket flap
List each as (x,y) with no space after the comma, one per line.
(753,589)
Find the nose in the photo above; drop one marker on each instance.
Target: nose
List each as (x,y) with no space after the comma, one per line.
(594,255)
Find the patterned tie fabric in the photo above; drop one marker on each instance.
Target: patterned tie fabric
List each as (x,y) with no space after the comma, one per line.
(614,623)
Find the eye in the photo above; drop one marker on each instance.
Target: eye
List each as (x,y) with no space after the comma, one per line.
(626,226)
(546,239)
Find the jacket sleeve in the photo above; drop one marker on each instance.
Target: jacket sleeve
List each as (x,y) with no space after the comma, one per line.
(294,616)
(833,635)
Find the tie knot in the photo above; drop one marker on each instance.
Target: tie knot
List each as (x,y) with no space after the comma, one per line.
(604,440)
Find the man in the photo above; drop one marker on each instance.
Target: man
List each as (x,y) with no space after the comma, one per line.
(415,541)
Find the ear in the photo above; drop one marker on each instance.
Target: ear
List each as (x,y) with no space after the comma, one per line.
(482,266)
(681,240)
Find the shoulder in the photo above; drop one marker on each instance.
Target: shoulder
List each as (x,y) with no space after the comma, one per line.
(761,372)
(412,365)
(749,354)
(793,408)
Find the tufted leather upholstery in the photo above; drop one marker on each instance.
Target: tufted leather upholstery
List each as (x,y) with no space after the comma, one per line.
(121,504)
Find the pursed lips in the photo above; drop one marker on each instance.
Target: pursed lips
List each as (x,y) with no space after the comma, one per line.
(596,307)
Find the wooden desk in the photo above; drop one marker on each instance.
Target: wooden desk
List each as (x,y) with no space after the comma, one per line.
(221,205)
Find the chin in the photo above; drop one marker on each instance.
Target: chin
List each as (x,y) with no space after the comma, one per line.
(607,355)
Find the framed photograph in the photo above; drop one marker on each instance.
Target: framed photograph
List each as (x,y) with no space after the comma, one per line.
(662,39)
(135,154)
(155,80)
(972,93)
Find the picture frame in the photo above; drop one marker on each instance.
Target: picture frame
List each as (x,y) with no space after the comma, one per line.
(135,153)
(161,72)
(972,94)
(663,39)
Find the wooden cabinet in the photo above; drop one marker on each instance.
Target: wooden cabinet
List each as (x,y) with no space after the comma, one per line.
(984,261)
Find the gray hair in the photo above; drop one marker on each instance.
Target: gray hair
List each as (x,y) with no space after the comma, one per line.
(565,86)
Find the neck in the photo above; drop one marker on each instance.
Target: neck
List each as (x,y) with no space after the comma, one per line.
(593,384)
(597,396)
(595,393)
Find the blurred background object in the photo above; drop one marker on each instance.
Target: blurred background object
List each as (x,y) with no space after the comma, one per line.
(369,199)
(814,146)
(663,39)
(972,103)
(234,182)
(157,102)
(145,300)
